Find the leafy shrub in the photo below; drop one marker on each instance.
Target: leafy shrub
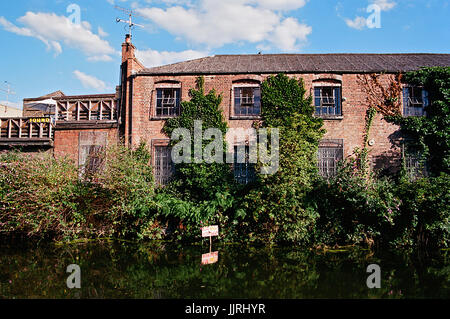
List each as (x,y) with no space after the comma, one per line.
(353,207)
(38,196)
(425,212)
(200,181)
(127,188)
(43,196)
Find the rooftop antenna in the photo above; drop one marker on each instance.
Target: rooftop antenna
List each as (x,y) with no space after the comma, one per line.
(130,22)
(8,90)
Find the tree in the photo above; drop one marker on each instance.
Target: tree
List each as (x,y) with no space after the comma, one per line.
(278,206)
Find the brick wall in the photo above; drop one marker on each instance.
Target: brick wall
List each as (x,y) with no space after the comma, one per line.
(350,127)
(67,142)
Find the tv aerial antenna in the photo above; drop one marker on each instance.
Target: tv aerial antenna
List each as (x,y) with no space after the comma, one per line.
(8,90)
(130,22)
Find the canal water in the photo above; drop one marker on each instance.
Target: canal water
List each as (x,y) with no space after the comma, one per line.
(162,270)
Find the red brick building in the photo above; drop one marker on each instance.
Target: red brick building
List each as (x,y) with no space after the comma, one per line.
(150,96)
(146,97)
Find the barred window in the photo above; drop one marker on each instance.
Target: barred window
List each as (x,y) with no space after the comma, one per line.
(164,167)
(415,100)
(327,100)
(244,171)
(247,101)
(415,165)
(167,102)
(329,154)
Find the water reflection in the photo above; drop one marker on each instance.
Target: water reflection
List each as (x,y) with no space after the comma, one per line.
(160,270)
(210,258)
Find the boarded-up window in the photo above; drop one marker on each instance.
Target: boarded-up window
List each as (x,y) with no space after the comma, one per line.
(91,151)
(95,159)
(164,167)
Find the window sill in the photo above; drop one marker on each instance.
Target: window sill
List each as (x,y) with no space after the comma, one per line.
(330,117)
(162,118)
(245,117)
(414,115)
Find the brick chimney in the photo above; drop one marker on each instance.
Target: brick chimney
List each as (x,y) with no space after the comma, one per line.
(130,65)
(127,49)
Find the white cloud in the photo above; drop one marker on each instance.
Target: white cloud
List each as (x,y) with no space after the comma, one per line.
(287,34)
(91,82)
(53,30)
(385,5)
(215,23)
(151,58)
(280,4)
(102,32)
(358,23)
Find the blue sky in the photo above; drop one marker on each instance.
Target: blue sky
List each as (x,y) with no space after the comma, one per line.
(47,46)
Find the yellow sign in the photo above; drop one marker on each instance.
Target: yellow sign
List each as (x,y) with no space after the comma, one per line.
(40,120)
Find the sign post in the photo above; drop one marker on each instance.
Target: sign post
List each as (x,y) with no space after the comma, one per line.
(210,231)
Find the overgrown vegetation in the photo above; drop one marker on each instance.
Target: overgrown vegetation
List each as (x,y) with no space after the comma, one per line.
(277,207)
(41,196)
(431,133)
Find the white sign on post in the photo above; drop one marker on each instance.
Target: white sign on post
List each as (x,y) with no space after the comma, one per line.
(210,231)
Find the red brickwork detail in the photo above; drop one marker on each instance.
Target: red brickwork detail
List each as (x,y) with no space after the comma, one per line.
(67,141)
(350,128)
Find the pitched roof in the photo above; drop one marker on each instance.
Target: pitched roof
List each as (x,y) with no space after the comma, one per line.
(302,63)
(44,97)
(88,96)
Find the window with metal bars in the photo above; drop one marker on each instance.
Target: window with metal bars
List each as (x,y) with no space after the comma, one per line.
(327,100)
(329,154)
(244,171)
(247,101)
(164,167)
(415,100)
(167,102)
(415,165)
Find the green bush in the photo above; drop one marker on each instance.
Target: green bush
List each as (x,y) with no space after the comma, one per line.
(200,193)
(42,196)
(354,208)
(200,181)
(127,188)
(38,196)
(425,212)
